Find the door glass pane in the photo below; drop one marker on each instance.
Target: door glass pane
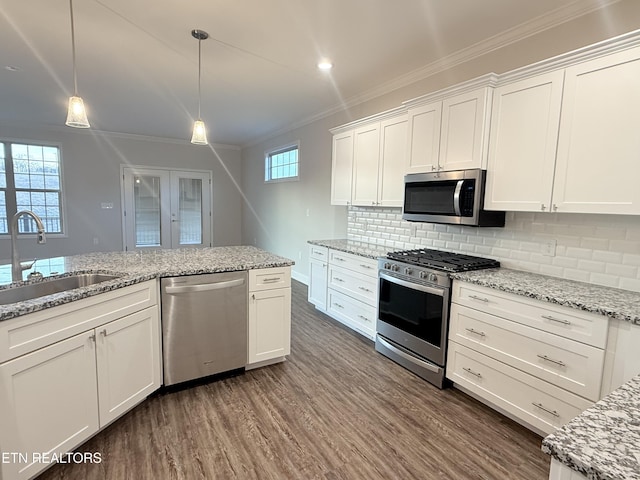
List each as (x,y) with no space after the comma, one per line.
(146,194)
(190,211)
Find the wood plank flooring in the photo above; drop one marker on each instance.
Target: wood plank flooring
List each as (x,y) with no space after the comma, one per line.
(336,410)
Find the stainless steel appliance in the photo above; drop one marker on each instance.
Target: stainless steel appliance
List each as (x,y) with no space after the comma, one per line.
(413,307)
(448,197)
(204,325)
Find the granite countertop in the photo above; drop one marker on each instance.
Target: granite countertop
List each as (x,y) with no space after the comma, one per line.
(136,267)
(603,442)
(611,302)
(368,250)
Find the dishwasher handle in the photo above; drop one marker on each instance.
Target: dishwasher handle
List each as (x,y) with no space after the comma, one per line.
(204,287)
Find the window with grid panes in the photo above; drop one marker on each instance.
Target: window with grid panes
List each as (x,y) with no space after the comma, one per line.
(282,164)
(30,179)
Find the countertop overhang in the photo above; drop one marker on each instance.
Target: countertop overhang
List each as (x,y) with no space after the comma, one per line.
(136,267)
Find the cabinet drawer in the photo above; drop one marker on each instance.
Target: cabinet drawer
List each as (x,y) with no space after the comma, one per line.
(539,404)
(357,285)
(36,330)
(319,253)
(567,322)
(357,315)
(568,364)
(269,278)
(366,266)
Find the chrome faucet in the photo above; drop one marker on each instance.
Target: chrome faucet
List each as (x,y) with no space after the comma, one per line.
(16,266)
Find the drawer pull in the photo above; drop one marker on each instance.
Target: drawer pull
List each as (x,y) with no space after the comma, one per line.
(558,320)
(337,305)
(475,374)
(366,266)
(542,407)
(337,279)
(365,289)
(315,252)
(557,362)
(340,259)
(481,299)
(471,330)
(271,280)
(364,318)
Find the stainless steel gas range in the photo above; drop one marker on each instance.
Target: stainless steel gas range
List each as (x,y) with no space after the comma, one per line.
(413,307)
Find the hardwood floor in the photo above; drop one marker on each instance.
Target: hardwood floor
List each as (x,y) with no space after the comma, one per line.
(336,410)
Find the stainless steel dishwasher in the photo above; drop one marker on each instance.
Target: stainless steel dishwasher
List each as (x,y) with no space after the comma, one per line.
(204,325)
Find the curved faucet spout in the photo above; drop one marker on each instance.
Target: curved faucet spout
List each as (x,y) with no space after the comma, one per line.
(16,267)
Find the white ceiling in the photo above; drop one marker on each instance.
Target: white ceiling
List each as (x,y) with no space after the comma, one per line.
(137,62)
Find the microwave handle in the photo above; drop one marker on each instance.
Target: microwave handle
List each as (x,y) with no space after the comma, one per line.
(456,198)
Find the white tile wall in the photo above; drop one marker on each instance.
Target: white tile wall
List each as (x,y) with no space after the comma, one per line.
(600,249)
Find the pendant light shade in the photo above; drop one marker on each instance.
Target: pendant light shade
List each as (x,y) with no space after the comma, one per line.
(76,115)
(199,136)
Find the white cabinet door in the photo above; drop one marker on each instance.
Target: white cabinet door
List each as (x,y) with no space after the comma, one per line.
(598,160)
(465,126)
(341,168)
(393,159)
(424,138)
(317,293)
(269,324)
(130,341)
(366,157)
(48,402)
(522,148)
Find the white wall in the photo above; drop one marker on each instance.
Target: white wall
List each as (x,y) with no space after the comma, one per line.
(599,249)
(281,208)
(91,175)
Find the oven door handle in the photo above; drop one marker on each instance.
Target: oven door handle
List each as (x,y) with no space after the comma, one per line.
(415,286)
(429,366)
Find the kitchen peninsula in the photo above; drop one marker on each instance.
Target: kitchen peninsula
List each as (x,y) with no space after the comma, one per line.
(95,352)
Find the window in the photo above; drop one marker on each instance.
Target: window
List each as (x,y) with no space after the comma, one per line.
(30,179)
(281,164)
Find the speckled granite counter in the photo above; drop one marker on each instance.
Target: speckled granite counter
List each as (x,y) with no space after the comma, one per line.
(368,250)
(603,442)
(135,267)
(612,302)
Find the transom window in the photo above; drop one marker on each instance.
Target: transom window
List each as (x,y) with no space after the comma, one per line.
(281,164)
(30,179)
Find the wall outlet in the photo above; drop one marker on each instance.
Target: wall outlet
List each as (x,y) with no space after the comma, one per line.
(106,205)
(549,248)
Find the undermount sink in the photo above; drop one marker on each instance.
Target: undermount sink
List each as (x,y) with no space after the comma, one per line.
(48,287)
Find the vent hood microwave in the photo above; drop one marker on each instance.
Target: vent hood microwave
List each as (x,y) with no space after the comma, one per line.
(455,198)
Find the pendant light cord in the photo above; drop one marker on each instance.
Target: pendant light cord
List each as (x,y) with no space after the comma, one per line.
(73,50)
(199,73)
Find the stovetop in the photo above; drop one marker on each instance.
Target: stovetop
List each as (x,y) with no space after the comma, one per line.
(443,261)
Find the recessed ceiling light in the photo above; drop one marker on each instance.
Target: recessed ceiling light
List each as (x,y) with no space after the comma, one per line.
(12,68)
(325,65)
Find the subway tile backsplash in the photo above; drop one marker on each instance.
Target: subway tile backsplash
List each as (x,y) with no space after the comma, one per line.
(600,249)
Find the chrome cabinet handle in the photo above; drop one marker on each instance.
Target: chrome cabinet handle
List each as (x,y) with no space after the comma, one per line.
(366,266)
(475,374)
(471,330)
(337,305)
(338,279)
(271,280)
(543,207)
(557,362)
(92,337)
(365,289)
(340,259)
(558,320)
(364,318)
(542,407)
(481,299)
(103,332)
(555,207)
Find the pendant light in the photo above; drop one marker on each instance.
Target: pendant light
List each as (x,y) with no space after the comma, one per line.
(199,130)
(76,115)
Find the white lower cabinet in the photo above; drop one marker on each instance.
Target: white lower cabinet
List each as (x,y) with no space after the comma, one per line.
(54,397)
(318,270)
(540,364)
(269,316)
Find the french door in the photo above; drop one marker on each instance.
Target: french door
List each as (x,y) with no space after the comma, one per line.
(166,208)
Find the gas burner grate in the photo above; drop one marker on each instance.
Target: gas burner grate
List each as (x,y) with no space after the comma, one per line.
(445,261)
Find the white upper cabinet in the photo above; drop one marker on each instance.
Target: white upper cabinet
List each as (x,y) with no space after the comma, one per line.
(598,160)
(393,157)
(366,157)
(522,147)
(341,168)
(566,140)
(449,130)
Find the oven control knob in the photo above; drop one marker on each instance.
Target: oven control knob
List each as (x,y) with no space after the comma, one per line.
(423,275)
(395,268)
(386,266)
(432,277)
(408,271)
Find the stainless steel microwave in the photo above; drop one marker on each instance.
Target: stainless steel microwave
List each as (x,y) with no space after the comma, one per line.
(455,197)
